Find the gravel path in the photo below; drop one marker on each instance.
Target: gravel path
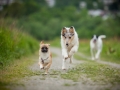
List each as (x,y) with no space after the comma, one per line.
(55,82)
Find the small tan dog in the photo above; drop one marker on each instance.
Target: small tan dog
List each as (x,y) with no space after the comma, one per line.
(45,56)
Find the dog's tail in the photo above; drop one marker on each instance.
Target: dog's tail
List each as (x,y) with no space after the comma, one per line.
(102,36)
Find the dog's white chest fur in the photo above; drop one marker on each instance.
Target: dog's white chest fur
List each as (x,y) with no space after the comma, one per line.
(44,57)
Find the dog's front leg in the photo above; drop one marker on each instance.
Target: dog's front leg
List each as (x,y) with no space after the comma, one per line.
(63,64)
(97,54)
(92,54)
(41,66)
(65,56)
(48,65)
(40,63)
(64,53)
(72,51)
(46,71)
(71,59)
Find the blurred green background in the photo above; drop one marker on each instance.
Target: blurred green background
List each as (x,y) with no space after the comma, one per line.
(23,23)
(44,19)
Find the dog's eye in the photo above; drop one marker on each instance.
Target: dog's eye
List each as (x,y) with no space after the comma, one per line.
(65,37)
(69,37)
(72,34)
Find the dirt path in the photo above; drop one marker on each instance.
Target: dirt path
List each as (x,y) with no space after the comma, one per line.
(55,82)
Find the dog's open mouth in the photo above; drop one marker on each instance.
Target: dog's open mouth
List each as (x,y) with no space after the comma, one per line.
(94,40)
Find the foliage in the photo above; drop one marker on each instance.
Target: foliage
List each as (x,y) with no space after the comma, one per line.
(14,45)
(46,23)
(76,3)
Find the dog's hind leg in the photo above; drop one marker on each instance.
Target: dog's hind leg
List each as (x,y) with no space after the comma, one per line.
(97,54)
(46,71)
(92,54)
(72,51)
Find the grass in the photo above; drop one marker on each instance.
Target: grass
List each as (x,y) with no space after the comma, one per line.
(108,55)
(55,42)
(15,44)
(17,70)
(67,84)
(91,71)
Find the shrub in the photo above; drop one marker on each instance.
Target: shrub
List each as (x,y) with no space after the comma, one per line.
(14,45)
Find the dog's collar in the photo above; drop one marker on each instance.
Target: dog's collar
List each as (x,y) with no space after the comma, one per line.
(44,59)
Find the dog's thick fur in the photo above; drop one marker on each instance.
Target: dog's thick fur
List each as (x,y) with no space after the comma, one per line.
(96,46)
(69,44)
(45,57)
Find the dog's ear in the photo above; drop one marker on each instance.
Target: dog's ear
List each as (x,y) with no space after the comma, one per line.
(41,42)
(71,29)
(63,31)
(48,44)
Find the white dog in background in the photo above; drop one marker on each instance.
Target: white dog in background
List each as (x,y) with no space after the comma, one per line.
(69,44)
(96,46)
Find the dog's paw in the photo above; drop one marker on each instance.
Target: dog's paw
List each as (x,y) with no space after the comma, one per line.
(63,68)
(66,58)
(45,73)
(41,67)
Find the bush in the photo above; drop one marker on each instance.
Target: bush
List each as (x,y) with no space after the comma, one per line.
(14,45)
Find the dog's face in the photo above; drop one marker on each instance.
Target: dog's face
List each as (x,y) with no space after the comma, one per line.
(95,37)
(44,47)
(68,35)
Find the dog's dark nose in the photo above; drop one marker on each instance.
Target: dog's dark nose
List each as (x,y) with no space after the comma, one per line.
(67,44)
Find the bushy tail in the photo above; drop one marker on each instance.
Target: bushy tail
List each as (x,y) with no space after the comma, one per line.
(102,36)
